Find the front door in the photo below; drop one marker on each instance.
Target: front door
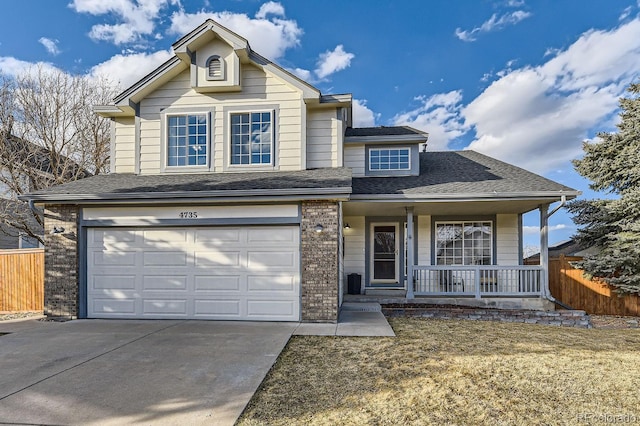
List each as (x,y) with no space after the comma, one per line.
(384,254)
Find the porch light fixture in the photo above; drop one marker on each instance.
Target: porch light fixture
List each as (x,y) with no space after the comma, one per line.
(347,226)
(319,228)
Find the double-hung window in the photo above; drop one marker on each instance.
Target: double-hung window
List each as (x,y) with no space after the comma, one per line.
(389,159)
(187,140)
(464,243)
(252,138)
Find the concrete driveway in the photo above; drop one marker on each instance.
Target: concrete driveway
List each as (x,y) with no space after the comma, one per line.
(134,371)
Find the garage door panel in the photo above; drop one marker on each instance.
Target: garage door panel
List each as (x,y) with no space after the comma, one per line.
(164,258)
(249,273)
(164,307)
(271,236)
(117,282)
(270,260)
(156,282)
(218,236)
(164,238)
(216,283)
(269,308)
(217,258)
(113,307)
(217,308)
(269,283)
(114,258)
(110,236)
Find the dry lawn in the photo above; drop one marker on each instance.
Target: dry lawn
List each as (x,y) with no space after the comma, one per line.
(454,372)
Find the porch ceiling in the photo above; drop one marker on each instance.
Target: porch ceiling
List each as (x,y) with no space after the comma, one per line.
(441,208)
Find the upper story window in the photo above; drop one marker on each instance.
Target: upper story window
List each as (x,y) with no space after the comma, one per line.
(215,68)
(389,159)
(464,243)
(187,140)
(252,138)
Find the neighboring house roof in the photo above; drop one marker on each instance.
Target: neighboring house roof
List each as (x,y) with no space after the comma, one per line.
(455,174)
(39,158)
(315,183)
(566,248)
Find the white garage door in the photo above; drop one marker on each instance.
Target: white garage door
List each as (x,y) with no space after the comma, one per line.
(249,273)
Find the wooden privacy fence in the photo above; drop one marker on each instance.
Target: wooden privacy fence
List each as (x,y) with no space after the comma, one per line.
(568,285)
(22,280)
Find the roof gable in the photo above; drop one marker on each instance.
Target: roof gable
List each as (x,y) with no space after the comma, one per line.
(184,49)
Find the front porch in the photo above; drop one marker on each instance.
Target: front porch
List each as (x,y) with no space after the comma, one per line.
(501,287)
(444,254)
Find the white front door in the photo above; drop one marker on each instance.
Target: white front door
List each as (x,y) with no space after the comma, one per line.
(232,273)
(384,254)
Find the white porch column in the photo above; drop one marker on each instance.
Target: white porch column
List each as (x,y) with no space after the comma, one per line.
(410,255)
(544,248)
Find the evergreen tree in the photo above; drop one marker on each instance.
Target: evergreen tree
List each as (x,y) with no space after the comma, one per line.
(613,226)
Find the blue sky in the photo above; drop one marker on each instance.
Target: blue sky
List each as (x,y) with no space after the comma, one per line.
(523,81)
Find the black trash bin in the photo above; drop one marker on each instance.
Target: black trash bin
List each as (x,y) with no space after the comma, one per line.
(353,283)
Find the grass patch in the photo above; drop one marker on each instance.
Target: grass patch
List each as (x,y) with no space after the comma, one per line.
(453,372)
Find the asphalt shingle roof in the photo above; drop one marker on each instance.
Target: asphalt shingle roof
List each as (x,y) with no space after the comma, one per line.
(459,172)
(105,185)
(382,131)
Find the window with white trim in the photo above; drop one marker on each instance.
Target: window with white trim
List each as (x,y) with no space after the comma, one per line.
(464,243)
(187,140)
(389,159)
(252,138)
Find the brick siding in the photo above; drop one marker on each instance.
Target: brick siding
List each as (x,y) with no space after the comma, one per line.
(61,262)
(320,261)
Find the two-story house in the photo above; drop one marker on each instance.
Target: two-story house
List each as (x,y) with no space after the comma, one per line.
(239,191)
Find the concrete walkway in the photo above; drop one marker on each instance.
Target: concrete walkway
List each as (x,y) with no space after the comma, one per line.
(356,319)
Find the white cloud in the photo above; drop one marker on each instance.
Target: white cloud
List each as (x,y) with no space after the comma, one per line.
(49,44)
(439,115)
(363,116)
(492,24)
(138,18)
(269,37)
(625,13)
(270,8)
(13,67)
(126,69)
(537,117)
(330,62)
(302,73)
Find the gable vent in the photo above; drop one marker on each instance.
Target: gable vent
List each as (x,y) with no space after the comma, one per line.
(215,68)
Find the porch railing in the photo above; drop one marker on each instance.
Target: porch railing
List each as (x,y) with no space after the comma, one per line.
(477,281)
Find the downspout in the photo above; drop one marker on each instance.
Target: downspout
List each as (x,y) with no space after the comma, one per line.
(544,249)
(34,209)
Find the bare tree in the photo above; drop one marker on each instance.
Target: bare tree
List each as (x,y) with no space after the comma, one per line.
(49,135)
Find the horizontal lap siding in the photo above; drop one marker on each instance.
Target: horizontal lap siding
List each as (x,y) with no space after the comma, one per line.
(507,239)
(322,139)
(125,132)
(354,260)
(424,240)
(258,89)
(354,158)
